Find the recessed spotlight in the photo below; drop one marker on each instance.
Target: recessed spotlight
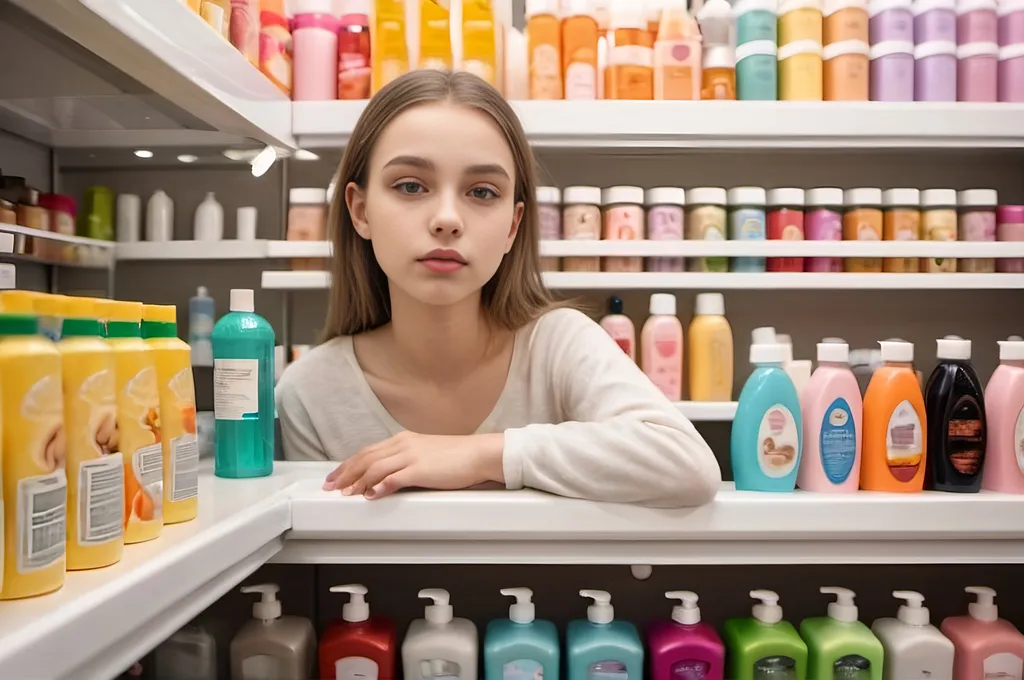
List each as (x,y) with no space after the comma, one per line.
(240,154)
(143,153)
(305,155)
(188,158)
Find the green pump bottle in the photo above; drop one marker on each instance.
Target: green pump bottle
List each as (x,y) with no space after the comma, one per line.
(763,646)
(839,646)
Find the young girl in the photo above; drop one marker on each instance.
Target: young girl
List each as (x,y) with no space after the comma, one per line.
(446,364)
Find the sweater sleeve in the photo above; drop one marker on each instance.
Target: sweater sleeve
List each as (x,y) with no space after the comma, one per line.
(621,440)
(298,436)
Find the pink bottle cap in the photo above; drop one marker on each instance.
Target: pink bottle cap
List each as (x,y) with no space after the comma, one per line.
(1010,214)
(327,22)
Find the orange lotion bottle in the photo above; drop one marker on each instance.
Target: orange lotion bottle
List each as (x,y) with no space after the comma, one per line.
(580,35)
(895,445)
(718,80)
(677,55)
(630,72)
(544,49)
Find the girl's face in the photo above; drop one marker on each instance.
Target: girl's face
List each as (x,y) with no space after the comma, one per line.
(439,203)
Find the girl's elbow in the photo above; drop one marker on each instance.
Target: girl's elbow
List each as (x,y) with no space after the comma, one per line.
(699,476)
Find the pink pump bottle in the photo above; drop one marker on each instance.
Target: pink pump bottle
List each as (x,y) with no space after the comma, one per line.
(985,646)
(1004,411)
(685,647)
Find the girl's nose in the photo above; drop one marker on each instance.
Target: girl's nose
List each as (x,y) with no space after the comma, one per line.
(447,221)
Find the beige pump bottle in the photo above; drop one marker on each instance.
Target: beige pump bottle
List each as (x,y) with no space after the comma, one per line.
(271,645)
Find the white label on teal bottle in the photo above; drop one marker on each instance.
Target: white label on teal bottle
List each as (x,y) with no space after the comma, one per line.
(522,669)
(1004,667)
(355,668)
(236,388)
(608,670)
(778,442)
(838,441)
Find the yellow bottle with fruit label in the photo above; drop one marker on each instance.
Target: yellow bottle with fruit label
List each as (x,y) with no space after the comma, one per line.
(33,445)
(19,301)
(173,359)
(48,308)
(95,471)
(138,420)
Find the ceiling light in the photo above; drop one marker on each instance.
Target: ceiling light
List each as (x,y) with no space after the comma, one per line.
(143,153)
(305,155)
(246,155)
(188,158)
(263,160)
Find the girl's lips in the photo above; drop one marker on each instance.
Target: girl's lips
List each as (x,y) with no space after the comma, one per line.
(442,266)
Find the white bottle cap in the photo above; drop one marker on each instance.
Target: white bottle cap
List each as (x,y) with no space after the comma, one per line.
(628,14)
(356,609)
(878,6)
(708,196)
(710,304)
(953,348)
(843,609)
(922,6)
(985,608)
(892,198)
(977,49)
(715,9)
(718,56)
(979,198)
(202,292)
(242,300)
(863,196)
(687,613)
(824,196)
(268,608)
(844,47)
(549,195)
(581,196)
(439,612)
(897,351)
(765,335)
(1011,350)
(307,196)
(741,7)
(601,611)
(523,610)
(756,48)
(665,196)
(622,196)
(913,613)
(888,48)
(833,353)
(786,196)
(938,198)
(787,347)
(796,47)
(535,7)
(769,610)
(745,196)
(663,304)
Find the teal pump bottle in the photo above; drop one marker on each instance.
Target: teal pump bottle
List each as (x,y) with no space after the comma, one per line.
(521,647)
(243,391)
(767,433)
(601,648)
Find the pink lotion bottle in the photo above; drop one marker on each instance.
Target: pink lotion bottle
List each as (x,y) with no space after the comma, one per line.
(619,327)
(661,351)
(1004,412)
(832,411)
(685,647)
(985,646)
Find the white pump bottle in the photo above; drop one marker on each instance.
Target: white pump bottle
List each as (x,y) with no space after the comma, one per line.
(439,643)
(271,645)
(914,648)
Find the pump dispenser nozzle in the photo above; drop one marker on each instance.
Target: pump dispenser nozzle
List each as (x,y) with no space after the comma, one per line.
(440,612)
(913,613)
(523,610)
(601,611)
(268,608)
(688,613)
(769,610)
(985,608)
(356,609)
(844,609)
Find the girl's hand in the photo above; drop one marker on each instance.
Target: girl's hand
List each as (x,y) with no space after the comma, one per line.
(420,460)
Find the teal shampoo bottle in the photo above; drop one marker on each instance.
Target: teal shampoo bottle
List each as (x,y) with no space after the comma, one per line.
(838,645)
(243,391)
(763,646)
(767,433)
(601,648)
(521,647)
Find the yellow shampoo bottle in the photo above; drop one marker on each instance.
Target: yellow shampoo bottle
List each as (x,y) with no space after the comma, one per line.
(138,421)
(389,52)
(176,389)
(435,36)
(479,41)
(33,445)
(95,472)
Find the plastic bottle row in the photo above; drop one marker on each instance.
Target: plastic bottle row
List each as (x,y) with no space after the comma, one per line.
(763,646)
(623,213)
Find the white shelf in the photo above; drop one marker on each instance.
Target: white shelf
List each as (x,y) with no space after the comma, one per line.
(192,250)
(713,124)
(45,235)
(300,280)
(201,90)
(842,249)
(309,249)
(708,411)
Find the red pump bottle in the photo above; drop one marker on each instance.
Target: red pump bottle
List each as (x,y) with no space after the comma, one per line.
(358,647)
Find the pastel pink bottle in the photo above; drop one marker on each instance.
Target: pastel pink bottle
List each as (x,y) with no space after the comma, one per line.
(661,346)
(1004,413)
(832,411)
(985,646)
(620,327)
(685,647)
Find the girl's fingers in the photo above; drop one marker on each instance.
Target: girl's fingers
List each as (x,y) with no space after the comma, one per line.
(390,484)
(377,473)
(354,468)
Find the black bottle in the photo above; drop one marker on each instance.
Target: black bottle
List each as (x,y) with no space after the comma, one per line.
(955,406)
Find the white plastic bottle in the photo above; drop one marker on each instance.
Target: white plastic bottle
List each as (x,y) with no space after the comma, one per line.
(438,644)
(208,224)
(914,648)
(202,314)
(160,217)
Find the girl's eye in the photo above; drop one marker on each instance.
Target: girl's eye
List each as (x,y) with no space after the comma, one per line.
(483,193)
(409,187)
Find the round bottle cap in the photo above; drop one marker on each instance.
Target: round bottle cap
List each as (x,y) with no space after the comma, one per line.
(876,7)
(965,6)
(897,351)
(622,195)
(756,47)
(665,196)
(799,47)
(582,196)
(663,304)
(833,353)
(787,6)
(913,613)
(843,609)
(934,48)
(743,6)
(688,613)
(978,198)
(897,198)
(824,197)
(307,196)
(707,196)
(1011,51)
(956,349)
(844,47)
(765,348)
(628,14)
(1011,350)
(769,610)
(890,47)
(938,198)
(536,7)
(718,56)
(922,6)
(1010,6)
(977,49)
(863,196)
(832,6)
(615,305)
(601,611)
(549,195)
(787,346)
(746,196)
(710,304)
(786,196)
(242,300)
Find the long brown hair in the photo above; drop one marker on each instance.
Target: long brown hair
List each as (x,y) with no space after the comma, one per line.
(360,299)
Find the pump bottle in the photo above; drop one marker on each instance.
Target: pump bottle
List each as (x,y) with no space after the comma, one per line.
(521,647)
(685,646)
(271,645)
(913,647)
(763,645)
(358,647)
(438,644)
(1004,404)
(840,646)
(985,645)
(600,645)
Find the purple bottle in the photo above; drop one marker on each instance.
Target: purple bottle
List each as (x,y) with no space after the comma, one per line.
(1011,73)
(890,20)
(935,70)
(1011,22)
(823,221)
(685,648)
(891,77)
(934,20)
